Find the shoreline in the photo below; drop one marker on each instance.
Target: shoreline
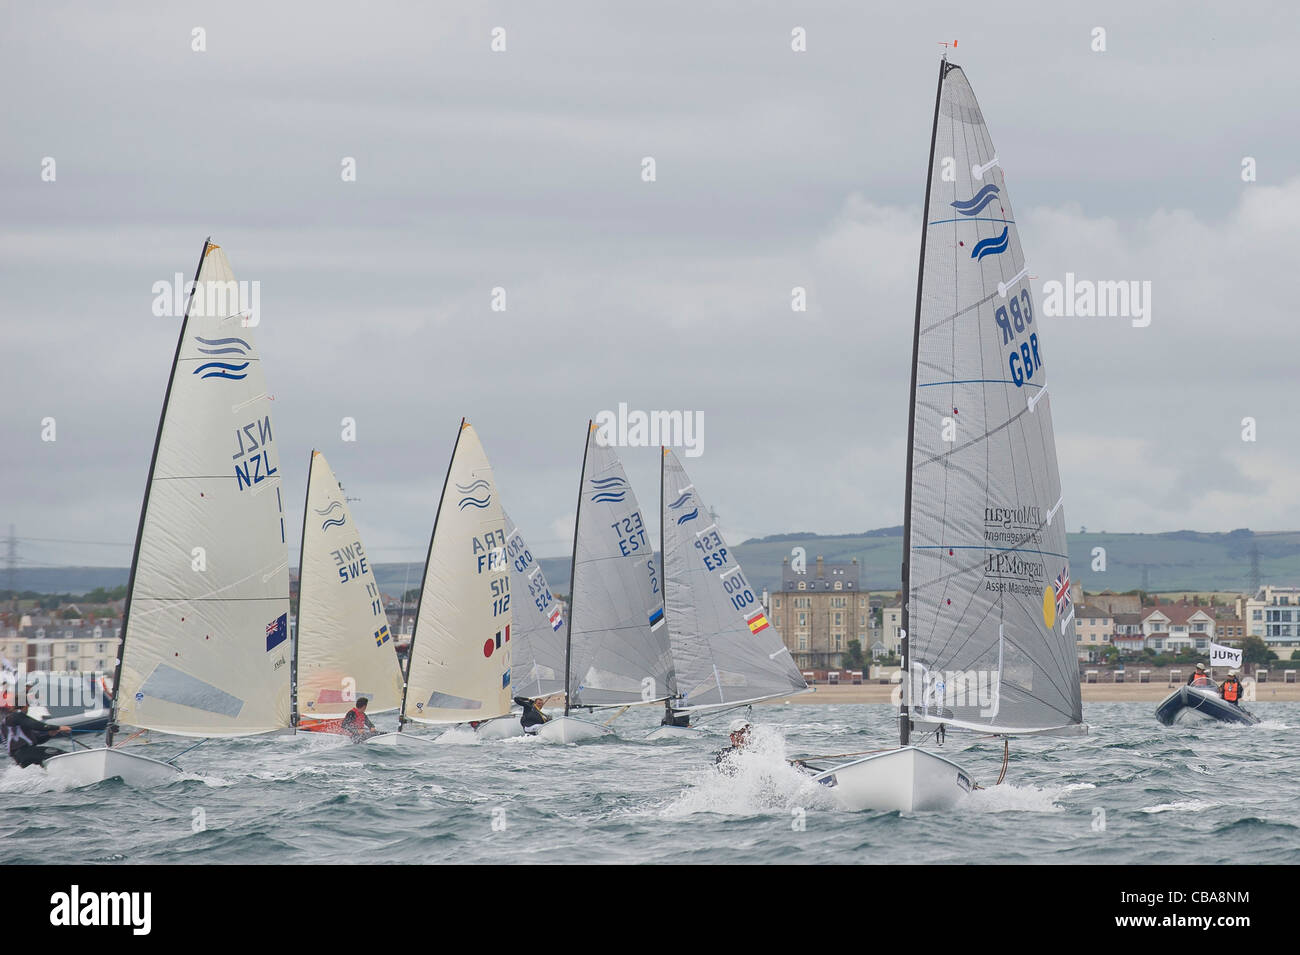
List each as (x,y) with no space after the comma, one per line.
(1091,692)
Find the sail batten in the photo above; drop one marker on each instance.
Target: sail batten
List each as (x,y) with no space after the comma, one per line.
(618,647)
(344,648)
(459,669)
(725,653)
(205,648)
(990,637)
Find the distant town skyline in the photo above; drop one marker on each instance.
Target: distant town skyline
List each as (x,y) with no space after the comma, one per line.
(516,178)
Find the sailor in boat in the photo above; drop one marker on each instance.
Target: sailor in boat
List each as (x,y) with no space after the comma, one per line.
(1230,690)
(532,716)
(1200,677)
(739,740)
(22,737)
(356,724)
(674,719)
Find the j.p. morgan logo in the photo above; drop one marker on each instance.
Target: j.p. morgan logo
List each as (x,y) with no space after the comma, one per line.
(75,907)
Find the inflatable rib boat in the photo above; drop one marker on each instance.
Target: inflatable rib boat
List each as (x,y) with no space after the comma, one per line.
(1197,703)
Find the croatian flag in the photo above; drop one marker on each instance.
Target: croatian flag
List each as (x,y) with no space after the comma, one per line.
(1063,590)
(556,618)
(277,631)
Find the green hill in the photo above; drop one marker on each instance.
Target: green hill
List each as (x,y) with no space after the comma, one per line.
(1175,561)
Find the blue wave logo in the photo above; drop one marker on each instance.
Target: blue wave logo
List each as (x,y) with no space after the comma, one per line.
(223,369)
(689,516)
(994,246)
(224,346)
(610,490)
(333,522)
(480,485)
(681,500)
(472,501)
(334,506)
(976,203)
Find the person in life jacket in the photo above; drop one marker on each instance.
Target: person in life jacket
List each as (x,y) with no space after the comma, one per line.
(532,715)
(1200,677)
(1231,689)
(356,724)
(22,737)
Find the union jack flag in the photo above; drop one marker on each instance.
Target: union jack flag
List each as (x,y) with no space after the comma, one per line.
(1063,590)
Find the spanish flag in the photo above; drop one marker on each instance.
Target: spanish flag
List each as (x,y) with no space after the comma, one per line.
(757,623)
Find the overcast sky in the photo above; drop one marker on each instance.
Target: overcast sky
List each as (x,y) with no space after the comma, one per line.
(522,169)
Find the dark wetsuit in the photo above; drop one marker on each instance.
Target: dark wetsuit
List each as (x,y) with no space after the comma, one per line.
(22,736)
(532,715)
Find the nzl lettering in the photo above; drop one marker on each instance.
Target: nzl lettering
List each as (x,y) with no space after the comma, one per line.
(254,441)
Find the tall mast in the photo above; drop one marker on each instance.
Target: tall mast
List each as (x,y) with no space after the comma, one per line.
(415,630)
(573,569)
(663,554)
(144,506)
(297,632)
(904,723)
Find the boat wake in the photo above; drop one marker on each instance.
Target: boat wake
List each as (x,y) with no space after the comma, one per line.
(1027,798)
(1183,805)
(758,780)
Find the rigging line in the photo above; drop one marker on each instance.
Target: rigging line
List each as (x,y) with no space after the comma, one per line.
(992,431)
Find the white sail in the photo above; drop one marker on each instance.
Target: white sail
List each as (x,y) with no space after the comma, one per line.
(344,648)
(540,629)
(989,622)
(205,648)
(619,650)
(459,669)
(724,649)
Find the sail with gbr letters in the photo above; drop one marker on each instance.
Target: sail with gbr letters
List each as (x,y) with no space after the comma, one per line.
(618,640)
(344,649)
(540,628)
(205,642)
(459,669)
(725,652)
(989,617)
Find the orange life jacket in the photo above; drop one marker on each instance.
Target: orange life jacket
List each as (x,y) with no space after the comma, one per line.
(359,717)
(1202,680)
(1231,690)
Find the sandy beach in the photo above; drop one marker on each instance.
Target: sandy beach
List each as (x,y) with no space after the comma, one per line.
(1092,693)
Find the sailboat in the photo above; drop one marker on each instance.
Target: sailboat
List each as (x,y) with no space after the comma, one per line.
(205,643)
(616,652)
(343,649)
(538,638)
(458,666)
(725,653)
(988,627)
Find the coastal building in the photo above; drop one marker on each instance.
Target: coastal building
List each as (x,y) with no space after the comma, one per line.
(818,610)
(61,647)
(891,626)
(1273,614)
(1094,628)
(1171,628)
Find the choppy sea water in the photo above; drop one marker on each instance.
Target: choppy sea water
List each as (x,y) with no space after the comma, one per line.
(1131,792)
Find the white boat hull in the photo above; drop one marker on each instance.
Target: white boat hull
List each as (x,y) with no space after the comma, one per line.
(674,732)
(85,767)
(399,740)
(906,779)
(503,727)
(570,729)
